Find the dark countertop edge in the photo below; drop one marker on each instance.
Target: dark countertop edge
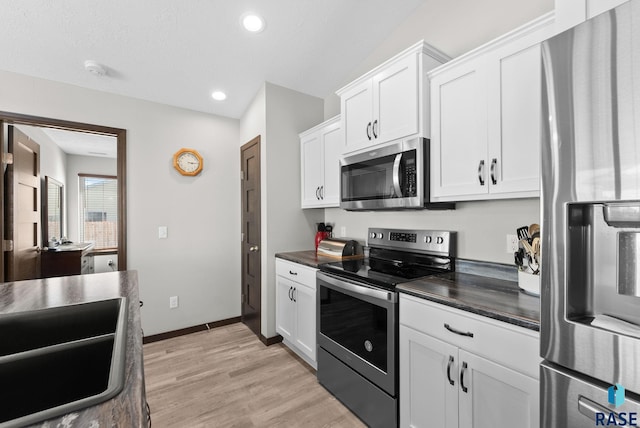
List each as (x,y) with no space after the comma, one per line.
(128,407)
(309,258)
(478,310)
(305,257)
(482,295)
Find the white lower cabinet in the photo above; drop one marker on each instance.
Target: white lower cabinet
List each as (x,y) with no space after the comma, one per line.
(296,308)
(451,379)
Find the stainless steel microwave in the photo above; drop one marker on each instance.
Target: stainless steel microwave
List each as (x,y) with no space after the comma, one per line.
(391,177)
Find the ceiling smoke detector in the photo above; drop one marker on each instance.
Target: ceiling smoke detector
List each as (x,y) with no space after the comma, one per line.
(95,68)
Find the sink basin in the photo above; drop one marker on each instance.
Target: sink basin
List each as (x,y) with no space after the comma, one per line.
(59,360)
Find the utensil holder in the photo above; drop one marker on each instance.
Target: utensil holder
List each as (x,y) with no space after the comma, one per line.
(529,282)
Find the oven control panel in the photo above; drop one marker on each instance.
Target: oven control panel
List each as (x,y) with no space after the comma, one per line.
(441,242)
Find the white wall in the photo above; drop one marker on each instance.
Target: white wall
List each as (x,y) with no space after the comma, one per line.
(82,165)
(278,115)
(199,261)
(482,226)
(289,228)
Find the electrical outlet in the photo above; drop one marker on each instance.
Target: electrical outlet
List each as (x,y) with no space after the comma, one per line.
(173,302)
(512,243)
(343,231)
(162,232)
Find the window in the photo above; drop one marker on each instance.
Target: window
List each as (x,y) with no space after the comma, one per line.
(98,197)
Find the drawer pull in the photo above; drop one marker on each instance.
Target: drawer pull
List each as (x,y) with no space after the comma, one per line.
(464,369)
(293,273)
(461,333)
(451,382)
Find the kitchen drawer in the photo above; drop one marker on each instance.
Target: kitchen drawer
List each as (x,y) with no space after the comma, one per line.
(503,343)
(296,272)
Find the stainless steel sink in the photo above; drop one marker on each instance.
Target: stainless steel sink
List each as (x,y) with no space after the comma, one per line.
(59,360)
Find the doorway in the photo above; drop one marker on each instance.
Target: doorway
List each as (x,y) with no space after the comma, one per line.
(251,250)
(7,118)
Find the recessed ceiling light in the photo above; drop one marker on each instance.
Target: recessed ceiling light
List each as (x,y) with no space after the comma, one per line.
(252,22)
(219,96)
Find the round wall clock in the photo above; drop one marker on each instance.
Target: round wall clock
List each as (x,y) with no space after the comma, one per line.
(187,162)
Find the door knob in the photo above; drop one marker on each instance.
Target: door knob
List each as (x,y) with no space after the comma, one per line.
(253,248)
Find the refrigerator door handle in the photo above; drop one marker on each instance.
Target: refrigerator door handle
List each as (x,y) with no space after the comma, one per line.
(591,408)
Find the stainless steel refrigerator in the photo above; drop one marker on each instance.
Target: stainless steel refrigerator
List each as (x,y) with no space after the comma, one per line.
(590,297)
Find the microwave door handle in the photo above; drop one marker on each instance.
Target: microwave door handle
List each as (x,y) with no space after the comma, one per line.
(396,175)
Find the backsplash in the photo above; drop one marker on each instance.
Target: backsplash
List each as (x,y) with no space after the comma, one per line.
(482,226)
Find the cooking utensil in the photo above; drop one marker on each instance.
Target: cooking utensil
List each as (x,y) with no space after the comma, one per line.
(533,229)
(523,232)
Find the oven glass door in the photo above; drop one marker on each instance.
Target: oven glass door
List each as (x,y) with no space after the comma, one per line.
(385,177)
(357,325)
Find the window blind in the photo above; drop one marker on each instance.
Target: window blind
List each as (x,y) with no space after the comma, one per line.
(98,196)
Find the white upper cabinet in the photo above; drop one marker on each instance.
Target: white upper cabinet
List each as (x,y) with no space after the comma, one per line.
(485,119)
(572,12)
(320,148)
(390,101)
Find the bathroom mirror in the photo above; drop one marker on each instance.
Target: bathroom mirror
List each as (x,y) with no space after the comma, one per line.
(53,209)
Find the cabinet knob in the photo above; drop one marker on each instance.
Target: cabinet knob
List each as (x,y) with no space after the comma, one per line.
(373,128)
(254,248)
(369,131)
(464,369)
(494,163)
(451,382)
(481,172)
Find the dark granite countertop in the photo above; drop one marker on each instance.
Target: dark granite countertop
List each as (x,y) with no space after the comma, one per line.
(494,298)
(307,258)
(126,409)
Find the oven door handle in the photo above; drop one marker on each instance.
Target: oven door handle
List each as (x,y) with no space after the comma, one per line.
(363,290)
(396,175)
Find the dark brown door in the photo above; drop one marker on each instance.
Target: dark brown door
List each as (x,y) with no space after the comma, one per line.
(22,215)
(251,266)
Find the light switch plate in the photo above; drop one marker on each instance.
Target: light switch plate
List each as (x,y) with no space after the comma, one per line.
(173,302)
(162,232)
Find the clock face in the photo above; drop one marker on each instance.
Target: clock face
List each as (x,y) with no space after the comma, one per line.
(188,162)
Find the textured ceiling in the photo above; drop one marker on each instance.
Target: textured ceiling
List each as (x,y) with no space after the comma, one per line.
(178,52)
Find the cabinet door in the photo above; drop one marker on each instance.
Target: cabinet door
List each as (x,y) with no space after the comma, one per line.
(311,170)
(305,301)
(427,368)
(285,308)
(396,101)
(356,111)
(458,130)
(333,146)
(496,397)
(514,120)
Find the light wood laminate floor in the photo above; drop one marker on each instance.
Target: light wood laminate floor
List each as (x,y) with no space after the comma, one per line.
(226,377)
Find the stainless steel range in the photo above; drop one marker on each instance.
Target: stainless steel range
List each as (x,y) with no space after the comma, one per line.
(358,317)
